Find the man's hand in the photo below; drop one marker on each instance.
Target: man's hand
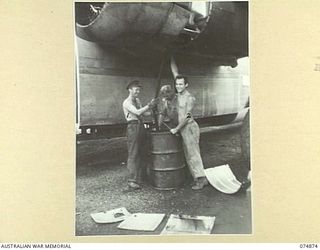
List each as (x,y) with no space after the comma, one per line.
(173,131)
(153,103)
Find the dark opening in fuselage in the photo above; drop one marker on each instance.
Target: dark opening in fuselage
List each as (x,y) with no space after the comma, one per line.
(86,12)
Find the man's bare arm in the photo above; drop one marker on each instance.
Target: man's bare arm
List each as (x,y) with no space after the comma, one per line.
(190,105)
(132,109)
(180,125)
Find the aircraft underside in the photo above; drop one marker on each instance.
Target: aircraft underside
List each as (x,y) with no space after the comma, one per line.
(118,42)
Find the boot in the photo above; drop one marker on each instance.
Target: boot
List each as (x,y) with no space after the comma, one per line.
(200,183)
(205,181)
(244,186)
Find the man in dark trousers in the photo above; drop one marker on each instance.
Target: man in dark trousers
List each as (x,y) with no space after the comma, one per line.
(136,133)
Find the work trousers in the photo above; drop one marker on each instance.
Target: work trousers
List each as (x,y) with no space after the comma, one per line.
(191,135)
(137,151)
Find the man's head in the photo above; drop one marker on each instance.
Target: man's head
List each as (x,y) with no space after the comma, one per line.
(181,83)
(134,88)
(167,92)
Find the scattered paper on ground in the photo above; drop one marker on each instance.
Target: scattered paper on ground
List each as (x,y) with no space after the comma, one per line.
(115,215)
(223,179)
(141,221)
(186,224)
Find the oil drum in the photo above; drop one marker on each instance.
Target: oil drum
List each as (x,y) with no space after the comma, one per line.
(167,169)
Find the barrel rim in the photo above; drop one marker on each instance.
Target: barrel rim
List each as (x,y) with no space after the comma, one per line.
(166,152)
(168,169)
(162,133)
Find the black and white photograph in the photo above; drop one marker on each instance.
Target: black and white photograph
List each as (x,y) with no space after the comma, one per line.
(162,118)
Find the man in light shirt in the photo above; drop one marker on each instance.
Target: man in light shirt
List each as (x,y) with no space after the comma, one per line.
(136,133)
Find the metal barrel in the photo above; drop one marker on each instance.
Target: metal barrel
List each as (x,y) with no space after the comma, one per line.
(168,167)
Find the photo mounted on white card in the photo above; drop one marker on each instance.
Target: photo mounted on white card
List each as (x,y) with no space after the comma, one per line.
(162,118)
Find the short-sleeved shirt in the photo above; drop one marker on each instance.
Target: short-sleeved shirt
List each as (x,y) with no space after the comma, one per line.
(185,105)
(126,106)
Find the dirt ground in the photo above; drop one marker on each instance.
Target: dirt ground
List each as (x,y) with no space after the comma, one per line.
(101,185)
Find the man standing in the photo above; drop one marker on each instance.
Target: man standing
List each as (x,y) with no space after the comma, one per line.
(188,128)
(136,134)
(168,108)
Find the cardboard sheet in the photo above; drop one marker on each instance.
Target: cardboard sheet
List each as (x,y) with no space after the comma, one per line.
(186,224)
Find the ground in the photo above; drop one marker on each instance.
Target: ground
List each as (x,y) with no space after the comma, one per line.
(101,186)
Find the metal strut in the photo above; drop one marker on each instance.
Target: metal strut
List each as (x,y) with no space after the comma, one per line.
(155,110)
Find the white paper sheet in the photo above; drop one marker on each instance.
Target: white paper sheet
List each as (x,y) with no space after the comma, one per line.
(222,179)
(115,215)
(141,221)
